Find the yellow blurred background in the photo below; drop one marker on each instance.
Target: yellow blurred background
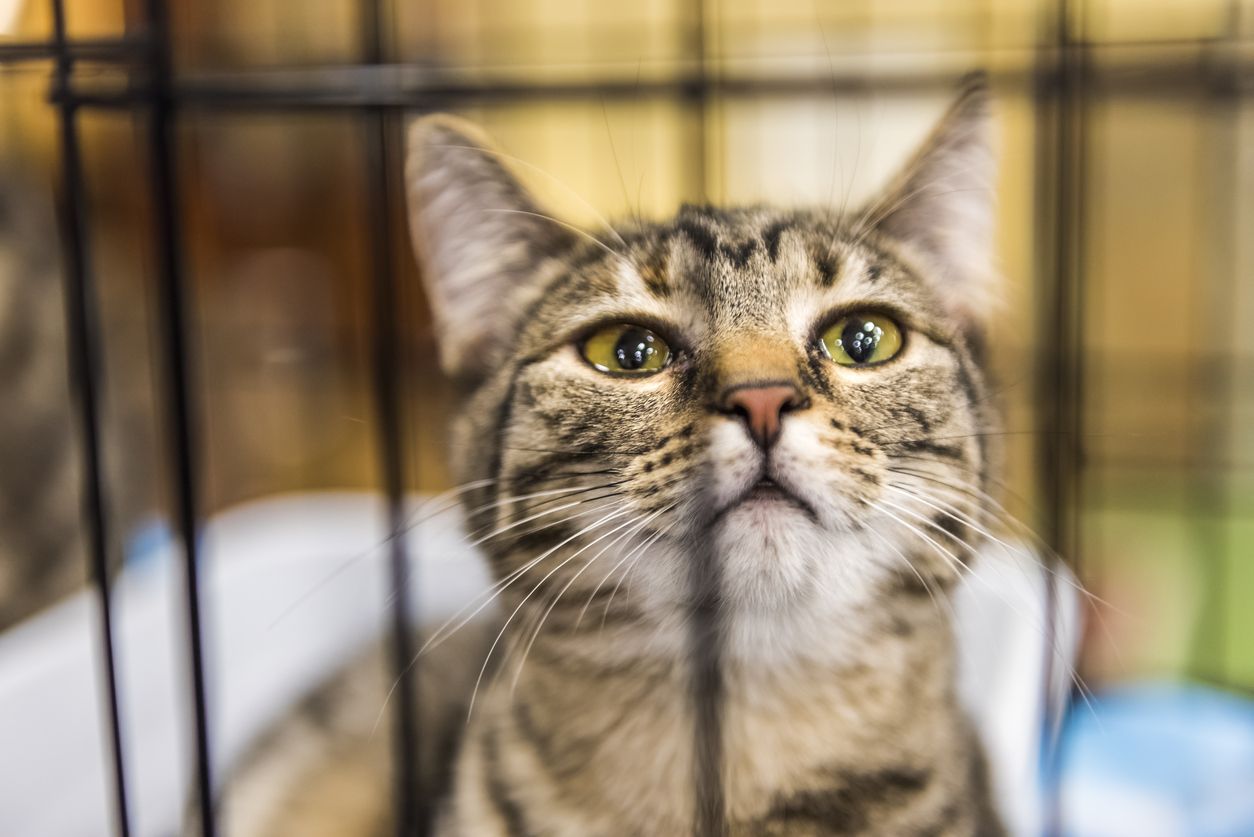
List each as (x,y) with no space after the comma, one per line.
(1129,202)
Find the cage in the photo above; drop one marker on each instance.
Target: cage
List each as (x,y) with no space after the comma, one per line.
(244,320)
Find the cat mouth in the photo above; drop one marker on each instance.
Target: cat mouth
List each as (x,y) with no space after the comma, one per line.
(766,492)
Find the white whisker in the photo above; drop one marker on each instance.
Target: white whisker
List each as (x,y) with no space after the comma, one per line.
(586,204)
(598,242)
(635,526)
(496,589)
(409,524)
(488,657)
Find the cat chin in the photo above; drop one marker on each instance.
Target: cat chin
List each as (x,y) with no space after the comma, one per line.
(776,560)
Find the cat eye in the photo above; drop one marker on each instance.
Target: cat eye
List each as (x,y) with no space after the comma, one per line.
(626,349)
(862,339)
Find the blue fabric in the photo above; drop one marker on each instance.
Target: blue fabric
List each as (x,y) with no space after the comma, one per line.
(1170,759)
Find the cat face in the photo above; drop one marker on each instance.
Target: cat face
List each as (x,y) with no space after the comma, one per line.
(791,390)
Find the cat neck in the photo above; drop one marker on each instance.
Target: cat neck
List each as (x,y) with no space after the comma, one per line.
(604,726)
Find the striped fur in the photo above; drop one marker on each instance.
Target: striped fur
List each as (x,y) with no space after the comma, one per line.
(838,708)
(42,541)
(41,557)
(839,714)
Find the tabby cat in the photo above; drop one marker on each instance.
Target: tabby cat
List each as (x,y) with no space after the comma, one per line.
(794,394)
(41,545)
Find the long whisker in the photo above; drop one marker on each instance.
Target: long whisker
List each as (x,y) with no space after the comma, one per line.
(1010,549)
(1067,578)
(1055,650)
(589,236)
(618,166)
(488,657)
(515,524)
(436,639)
(1006,517)
(999,433)
(984,476)
(649,540)
(870,221)
(913,569)
(547,504)
(552,178)
(631,527)
(539,626)
(344,566)
(857,159)
(640,552)
(954,558)
(554,493)
(426,510)
(563,494)
(493,591)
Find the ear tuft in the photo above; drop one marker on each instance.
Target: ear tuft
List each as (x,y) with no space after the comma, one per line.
(941,205)
(478,236)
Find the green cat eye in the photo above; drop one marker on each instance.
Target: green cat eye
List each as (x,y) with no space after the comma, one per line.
(862,339)
(626,349)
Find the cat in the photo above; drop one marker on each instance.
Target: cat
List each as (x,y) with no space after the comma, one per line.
(43,541)
(796,395)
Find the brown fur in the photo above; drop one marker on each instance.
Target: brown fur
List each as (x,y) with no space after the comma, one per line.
(41,546)
(835,659)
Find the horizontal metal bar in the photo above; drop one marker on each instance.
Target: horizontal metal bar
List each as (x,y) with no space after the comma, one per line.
(131,46)
(407,87)
(126,48)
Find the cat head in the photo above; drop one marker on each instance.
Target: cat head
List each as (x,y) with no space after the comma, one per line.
(793,389)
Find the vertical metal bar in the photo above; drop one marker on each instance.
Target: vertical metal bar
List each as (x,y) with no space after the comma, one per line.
(1211,505)
(1047,272)
(705,571)
(411,806)
(708,688)
(1059,388)
(84,352)
(174,340)
(1072,217)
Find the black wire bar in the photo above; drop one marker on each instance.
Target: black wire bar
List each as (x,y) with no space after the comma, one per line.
(82,333)
(1060,212)
(706,633)
(102,50)
(1059,74)
(707,685)
(174,342)
(411,806)
(1162,72)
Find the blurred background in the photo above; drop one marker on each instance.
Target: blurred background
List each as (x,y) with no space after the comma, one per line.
(1123,348)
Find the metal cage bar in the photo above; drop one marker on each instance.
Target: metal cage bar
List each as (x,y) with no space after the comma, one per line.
(378,92)
(174,341)
(1061,202)
(82,332)
(409,803)
(705,620)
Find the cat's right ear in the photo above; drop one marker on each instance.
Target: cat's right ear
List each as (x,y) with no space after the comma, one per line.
(477,235)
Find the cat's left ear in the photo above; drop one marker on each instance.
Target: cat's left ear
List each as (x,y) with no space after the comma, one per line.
(478,236)
(941,205)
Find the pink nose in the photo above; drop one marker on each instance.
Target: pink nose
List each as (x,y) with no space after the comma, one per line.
(761,408)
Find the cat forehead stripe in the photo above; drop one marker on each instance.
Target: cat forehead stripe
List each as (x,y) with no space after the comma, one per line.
(724,237)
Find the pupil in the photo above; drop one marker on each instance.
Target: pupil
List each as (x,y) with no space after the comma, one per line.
(859,340)
(634,349)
